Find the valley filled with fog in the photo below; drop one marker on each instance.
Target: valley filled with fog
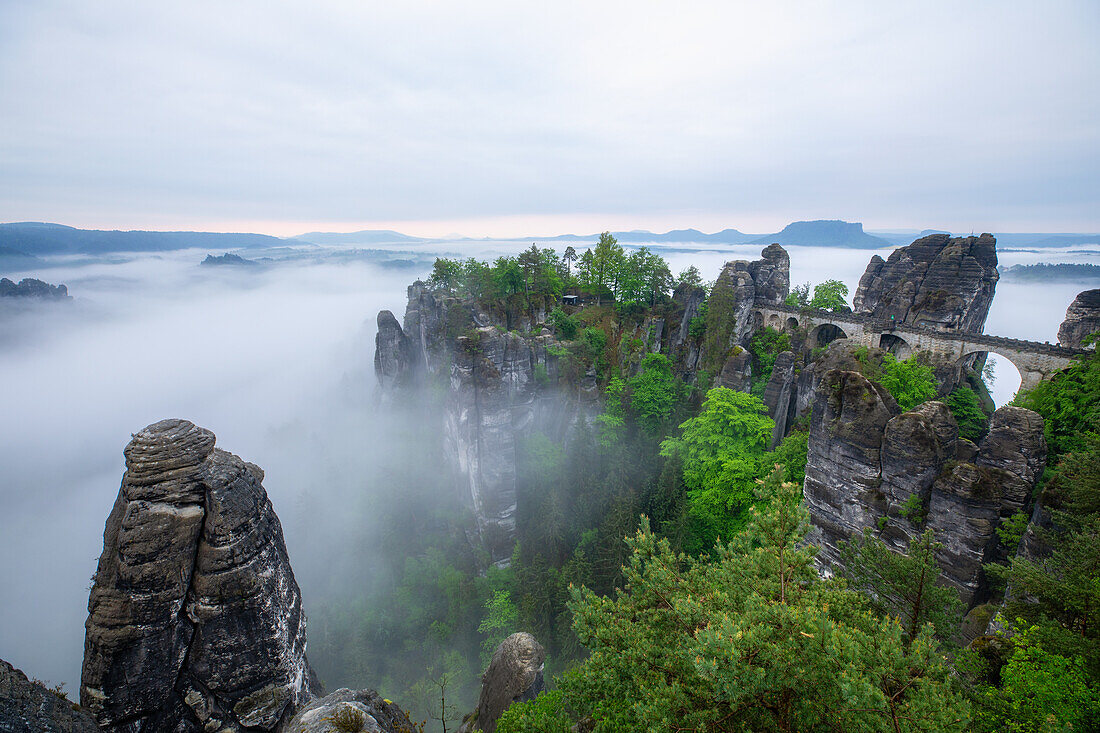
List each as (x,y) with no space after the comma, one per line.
(277,361)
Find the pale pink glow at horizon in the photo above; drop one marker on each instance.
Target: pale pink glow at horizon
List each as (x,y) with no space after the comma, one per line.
(519,226)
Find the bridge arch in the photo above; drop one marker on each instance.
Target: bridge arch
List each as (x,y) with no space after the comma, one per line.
(825,333)
(1009,376)
(896,345)
(792,323)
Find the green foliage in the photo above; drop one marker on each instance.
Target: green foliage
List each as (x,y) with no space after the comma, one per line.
(545,714)
(911,381)
(831,295)
(1040,691)
(750,641)
(542,377)
(766,345)
(595,340)
(723,450)
(690,277)
(720,323)
(655,393)
(697,327)
(799,297)
(1012,530)
(1069,402)
(613,417)
(791,454)
(967,409)
(498,624)
(914,510)
(565,324)
(446,275)
(903,585)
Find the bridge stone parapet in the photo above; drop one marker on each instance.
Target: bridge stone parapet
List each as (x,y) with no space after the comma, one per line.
(1034,360)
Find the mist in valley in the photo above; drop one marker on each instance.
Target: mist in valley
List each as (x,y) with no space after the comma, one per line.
(278,363)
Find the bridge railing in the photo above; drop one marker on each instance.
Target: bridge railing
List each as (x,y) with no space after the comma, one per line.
(882,325)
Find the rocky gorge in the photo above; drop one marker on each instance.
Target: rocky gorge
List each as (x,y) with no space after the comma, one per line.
(196,620)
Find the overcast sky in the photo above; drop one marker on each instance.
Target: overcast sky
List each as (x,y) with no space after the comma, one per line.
(512,118)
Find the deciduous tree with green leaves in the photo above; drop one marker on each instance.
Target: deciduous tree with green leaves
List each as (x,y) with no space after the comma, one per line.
(722,450)
(831,295)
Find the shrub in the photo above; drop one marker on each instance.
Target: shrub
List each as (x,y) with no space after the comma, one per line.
(565,324)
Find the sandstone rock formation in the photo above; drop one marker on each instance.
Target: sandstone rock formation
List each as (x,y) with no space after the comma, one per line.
(392,357)
(514,675)
(844,459)
(506,374)
(195,620)
(736,373)
(870,467)
(937,281)
(28,707)
(771,274)
(346,711)
(1082,319)
(779,395)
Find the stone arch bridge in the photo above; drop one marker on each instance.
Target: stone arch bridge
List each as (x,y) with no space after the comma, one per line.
(1035,361)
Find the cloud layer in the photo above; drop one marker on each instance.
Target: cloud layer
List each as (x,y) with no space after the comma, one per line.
(274,114)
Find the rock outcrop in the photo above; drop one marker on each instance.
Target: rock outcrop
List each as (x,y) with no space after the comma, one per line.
(844,459)
(771,275)
(28,287)
(736,373)
(195,620)
(1082,319)
(29,707)
(507,375)
(514,675)
(347,711)
(869,467)
(937,282)
(392,353)
(779,395)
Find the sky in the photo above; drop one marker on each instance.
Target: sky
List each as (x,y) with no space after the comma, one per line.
(513,119)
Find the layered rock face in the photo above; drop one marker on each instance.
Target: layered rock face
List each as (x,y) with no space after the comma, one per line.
(27,706)
(195,620)
(499,367)
(1082,319)
(937,282)
(346,710)
(514,675)
(771,274)
(870,467)
(491,405)
(743,284)
(779,395)
(392,354)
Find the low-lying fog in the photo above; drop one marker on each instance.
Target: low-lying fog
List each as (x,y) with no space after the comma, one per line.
(278,362)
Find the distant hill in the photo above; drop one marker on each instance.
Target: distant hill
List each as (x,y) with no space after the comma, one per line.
(636,236)
(1012,239)
(228,259)
(367,236)
(1058,272)
(12,260)
(36,238)
(825,233)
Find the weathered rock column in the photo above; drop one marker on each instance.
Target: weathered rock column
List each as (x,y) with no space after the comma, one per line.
(195,620)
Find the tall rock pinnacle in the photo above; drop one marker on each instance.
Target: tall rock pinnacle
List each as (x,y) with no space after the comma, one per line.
(195,620)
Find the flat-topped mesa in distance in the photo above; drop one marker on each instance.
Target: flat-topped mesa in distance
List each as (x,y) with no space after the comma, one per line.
(195,620)
(936,282)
